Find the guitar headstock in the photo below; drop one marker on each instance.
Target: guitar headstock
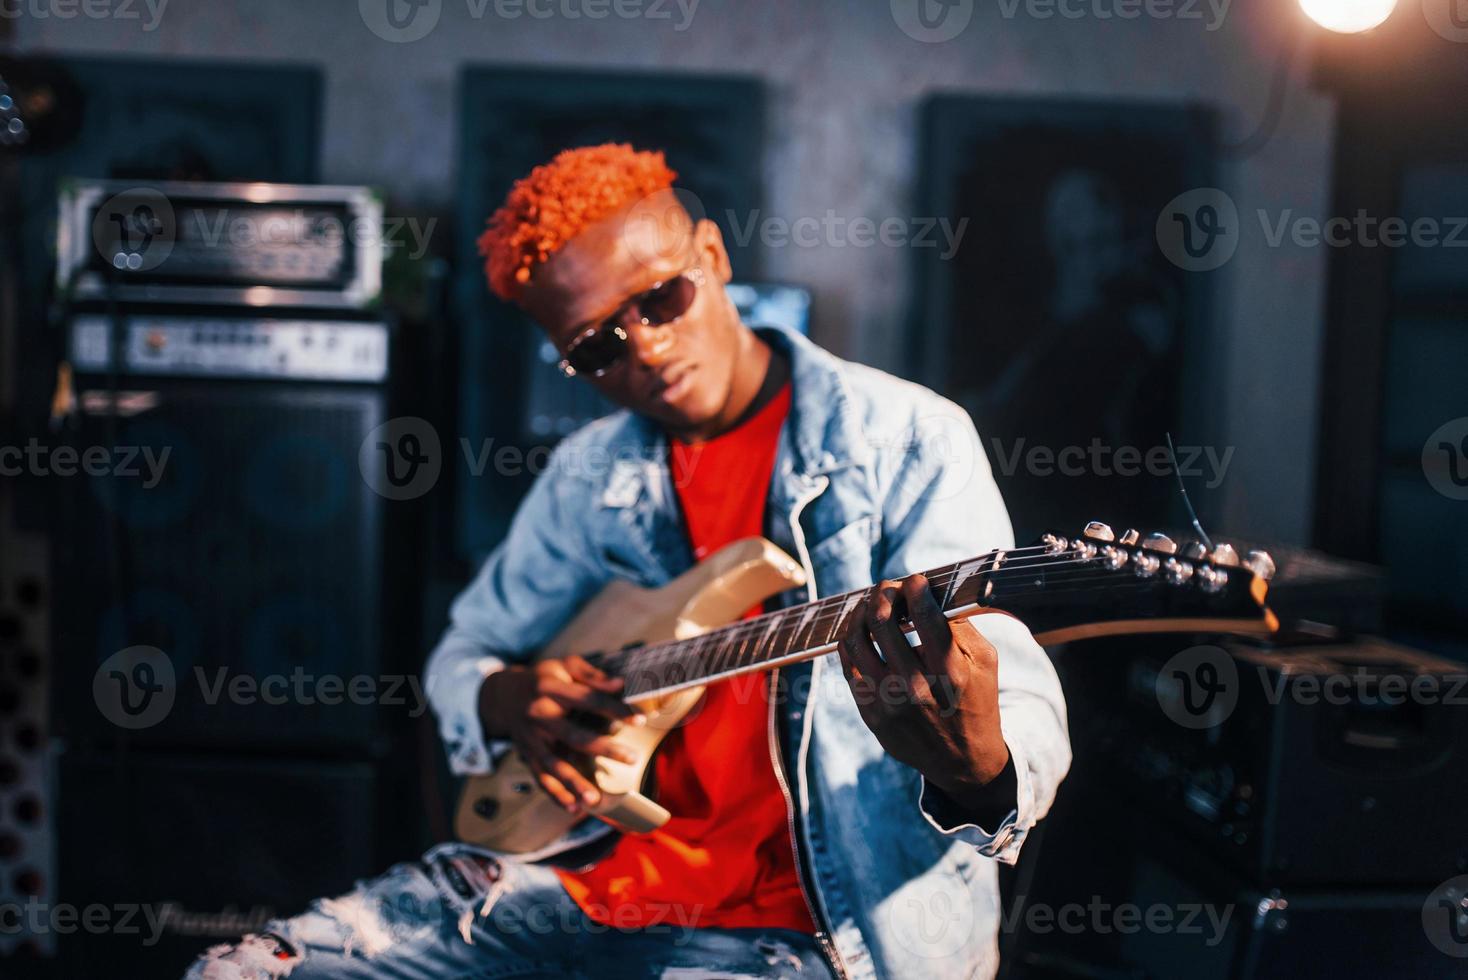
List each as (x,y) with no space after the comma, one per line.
(1104,583)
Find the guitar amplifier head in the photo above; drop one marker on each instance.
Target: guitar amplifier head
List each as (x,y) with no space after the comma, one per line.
(250,245)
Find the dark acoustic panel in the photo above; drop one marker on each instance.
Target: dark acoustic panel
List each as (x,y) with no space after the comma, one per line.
(1057,321)
(511,120)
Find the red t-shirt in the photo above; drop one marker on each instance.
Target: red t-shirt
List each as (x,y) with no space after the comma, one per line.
(725,859)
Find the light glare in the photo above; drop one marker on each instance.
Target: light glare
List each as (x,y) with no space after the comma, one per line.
(1348,16)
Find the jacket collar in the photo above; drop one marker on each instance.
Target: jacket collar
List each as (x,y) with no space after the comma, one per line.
(824,432)
(821,436)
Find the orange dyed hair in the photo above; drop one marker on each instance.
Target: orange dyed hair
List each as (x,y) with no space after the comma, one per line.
(558,200)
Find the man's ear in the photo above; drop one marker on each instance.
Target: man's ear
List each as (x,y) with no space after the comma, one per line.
(708,243)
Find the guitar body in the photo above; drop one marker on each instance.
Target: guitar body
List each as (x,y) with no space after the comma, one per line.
(506,811)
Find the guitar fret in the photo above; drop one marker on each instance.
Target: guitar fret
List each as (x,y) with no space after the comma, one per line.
(745,645)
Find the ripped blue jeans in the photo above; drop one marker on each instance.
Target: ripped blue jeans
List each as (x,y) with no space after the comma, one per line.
(461,913)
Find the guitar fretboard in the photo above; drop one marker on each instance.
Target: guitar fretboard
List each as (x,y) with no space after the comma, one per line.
(783,636)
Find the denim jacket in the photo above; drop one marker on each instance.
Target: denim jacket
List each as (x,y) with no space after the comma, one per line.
(874,478)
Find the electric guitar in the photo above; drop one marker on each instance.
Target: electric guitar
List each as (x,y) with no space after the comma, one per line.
(668,643)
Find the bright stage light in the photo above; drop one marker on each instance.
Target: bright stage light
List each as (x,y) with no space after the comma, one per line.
(1348,16)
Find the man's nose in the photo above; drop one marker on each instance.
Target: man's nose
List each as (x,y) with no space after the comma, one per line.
(651,345)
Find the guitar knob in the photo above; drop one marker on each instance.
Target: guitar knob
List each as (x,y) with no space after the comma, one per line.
(1225,554)
(1161,543)
(1194,551)
(1097,531)
(1260,564)
(1177,572)
(1113,557)
(1130,536)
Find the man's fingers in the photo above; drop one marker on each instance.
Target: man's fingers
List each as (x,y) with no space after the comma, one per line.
(856,645)
(579,697)
(883,620)
(582,670)
(582,739)
(935,636)
(571,777)
(540,760)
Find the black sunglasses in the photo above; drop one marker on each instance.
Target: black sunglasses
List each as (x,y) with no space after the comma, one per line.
(602,346)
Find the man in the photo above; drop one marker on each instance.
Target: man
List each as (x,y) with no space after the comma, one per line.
(821,827)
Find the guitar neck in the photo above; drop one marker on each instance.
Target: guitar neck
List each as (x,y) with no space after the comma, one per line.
(772,639)
(1062,590)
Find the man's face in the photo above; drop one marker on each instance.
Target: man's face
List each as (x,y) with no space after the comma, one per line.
(679,374)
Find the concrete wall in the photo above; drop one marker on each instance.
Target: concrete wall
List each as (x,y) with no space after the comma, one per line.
(845,82)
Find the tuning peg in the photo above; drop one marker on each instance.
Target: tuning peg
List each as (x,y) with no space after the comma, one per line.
(1146,564)
(1212,579)
(1260,564)
(1177,572)
(1130,536)
(1054,543)
(1113,557)
(1194,551)
(1160,543)
(1225,555)
(1097,531)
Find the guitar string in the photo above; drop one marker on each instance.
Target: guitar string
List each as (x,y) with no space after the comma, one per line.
(940,580)
(728,642)
(822,608)
(675,651)
(739,667)
(746,628)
